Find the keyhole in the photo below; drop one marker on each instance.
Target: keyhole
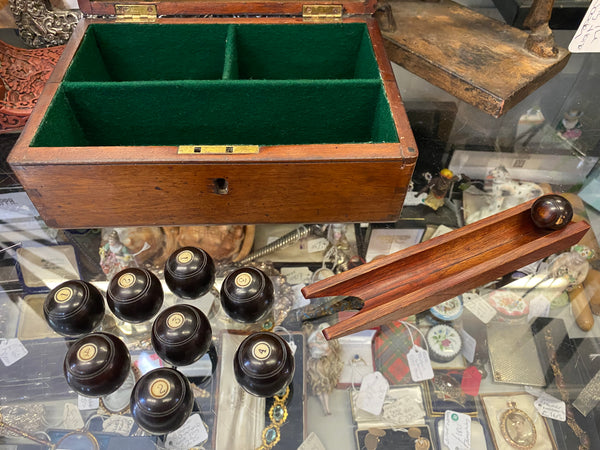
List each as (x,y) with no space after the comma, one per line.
(221,186)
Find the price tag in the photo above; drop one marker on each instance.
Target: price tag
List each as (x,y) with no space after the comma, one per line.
(551,407)
(419,364)
(479,307)
(11,350)
(457,430)
(192,433)
(118,424)
(299,300)
(539,306)
(296,275)
(373,389)
(72,419)
(317,245)
(586,38)
(84,403)
(469,345)
(312,442)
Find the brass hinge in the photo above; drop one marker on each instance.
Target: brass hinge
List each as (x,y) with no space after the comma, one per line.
(217,149)
(322,13)
(136,13)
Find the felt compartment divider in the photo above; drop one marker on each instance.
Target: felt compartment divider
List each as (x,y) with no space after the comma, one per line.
(230,70)
(217,112)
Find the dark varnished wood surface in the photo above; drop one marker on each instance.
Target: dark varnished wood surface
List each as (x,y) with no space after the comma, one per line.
(417,278)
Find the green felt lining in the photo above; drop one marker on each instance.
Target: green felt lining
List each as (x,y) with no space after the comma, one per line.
(220,84)
(132,52)
(217,113)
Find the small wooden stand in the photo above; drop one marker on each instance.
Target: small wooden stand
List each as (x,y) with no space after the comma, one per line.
(417,278)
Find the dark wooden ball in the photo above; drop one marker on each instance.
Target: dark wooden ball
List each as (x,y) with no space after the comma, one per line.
(161,401)
(190,272)
(97,364)
(264,364)
(247,294)
(181,335)
(134,295)
(551,212)
(74,308)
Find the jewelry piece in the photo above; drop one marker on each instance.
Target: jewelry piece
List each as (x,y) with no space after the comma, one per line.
(559,380)
(30,419)
(421,443)
(278,414)
(372,438)
(7,427)
(517,428)
(444,343)
(447,388)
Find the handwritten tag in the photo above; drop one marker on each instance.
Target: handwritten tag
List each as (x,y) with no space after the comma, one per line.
(373,389)
(72,419)
(317,245)
(539,306)
(11,350)
(587,37)
(479,307)
(118,424)
(191,433)
(457,430)
(419,364)
(469,345)
(312,442)
(296,275)
(551,407)
(85,403)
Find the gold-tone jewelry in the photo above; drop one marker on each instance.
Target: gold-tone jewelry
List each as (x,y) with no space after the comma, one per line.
(372,438)
(517,428)
(559,380)
(447,388)
(5,426)
(278,414)
(421,443)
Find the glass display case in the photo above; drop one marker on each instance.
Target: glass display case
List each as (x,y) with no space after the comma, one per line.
(511,364)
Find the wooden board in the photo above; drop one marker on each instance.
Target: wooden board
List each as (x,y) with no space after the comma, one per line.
(477,59)
(419,277)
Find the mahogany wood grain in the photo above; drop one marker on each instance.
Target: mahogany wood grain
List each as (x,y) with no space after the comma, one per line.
(419,277)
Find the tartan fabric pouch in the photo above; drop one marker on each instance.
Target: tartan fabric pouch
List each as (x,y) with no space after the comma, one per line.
(392,344)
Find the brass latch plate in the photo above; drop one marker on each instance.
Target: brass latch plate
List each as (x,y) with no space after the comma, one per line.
(136,13)
(322,13)
(217,149)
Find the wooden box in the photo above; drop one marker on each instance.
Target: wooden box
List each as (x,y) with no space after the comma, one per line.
(174,120)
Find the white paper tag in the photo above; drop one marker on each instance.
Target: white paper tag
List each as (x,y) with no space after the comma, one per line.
(84,403)
(457,430)
(312,442)
(539,306)
(72,419)
(587,37)
(551,407)
(11,350)
(479,307)
(118,424)
(419,364)
(469,345)
(299,300)
(296,275)
(317,245)
(190,434)
(373,389)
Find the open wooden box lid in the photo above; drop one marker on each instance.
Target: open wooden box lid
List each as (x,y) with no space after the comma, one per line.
(229,7)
